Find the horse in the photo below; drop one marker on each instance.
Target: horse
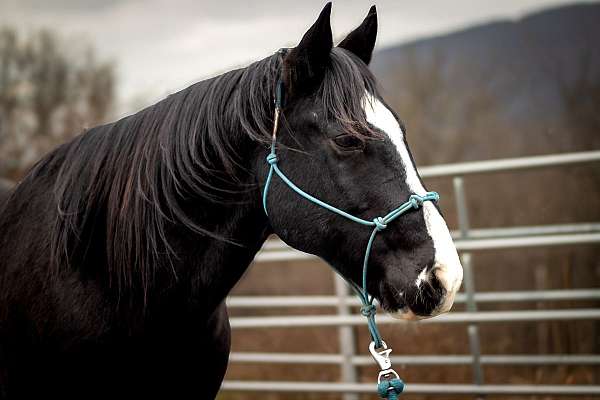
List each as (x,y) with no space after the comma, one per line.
(119,247)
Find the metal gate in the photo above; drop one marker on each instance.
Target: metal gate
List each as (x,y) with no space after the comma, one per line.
(467,241)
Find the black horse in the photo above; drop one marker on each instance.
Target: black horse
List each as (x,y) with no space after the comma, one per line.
(118,248)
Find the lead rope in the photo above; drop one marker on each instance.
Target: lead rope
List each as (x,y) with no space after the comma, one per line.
(389,384)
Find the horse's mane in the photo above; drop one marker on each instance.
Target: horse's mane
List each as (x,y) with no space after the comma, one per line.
(5,188)
(124,184)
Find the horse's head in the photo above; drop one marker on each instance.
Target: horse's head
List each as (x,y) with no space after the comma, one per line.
(340,142)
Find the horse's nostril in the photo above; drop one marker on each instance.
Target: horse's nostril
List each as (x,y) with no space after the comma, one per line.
(450,279)
(449,276)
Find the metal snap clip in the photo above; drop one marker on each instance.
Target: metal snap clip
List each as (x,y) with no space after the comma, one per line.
(381,355)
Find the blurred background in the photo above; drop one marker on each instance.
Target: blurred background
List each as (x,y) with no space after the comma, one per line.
(472,80)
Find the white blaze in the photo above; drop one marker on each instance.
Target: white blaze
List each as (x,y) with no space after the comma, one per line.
(447,267)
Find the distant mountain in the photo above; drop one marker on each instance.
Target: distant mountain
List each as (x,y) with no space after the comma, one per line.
(537,76)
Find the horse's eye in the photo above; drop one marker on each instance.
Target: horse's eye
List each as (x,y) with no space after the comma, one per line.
(349,142)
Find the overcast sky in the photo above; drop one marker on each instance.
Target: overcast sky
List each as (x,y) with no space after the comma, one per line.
(160,46)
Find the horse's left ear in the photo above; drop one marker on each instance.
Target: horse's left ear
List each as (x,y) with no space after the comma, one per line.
(306,63)
(361,41)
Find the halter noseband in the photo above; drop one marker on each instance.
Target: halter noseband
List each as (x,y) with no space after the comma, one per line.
(388,380)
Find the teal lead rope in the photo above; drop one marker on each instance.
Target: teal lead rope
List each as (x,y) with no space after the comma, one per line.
(389,384)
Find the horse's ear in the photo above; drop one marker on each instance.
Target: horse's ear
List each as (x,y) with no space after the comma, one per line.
(306,62)
(361,41)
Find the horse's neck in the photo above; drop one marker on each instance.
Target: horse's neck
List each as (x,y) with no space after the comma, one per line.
(214,266)
(217,265)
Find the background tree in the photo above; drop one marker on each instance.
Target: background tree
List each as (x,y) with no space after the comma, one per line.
(49,92)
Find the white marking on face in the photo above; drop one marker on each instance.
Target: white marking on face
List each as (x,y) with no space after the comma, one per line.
(447,267)
(422,277)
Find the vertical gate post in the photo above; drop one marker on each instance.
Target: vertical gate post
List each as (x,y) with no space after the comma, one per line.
(346,337)
(468,280)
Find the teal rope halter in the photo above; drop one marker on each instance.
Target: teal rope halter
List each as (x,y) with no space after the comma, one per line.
(389,383)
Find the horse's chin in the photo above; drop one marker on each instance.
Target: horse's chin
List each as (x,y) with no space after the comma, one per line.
(406,314)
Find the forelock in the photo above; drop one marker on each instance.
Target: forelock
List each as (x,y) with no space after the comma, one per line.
(347,79)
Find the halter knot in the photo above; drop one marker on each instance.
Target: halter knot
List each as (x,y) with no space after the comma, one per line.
(368,311)
(272,158)
(415,201)
(390,389)
(379,223)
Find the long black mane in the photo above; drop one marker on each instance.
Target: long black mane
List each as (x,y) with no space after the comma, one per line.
(125,184)
(5,188)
